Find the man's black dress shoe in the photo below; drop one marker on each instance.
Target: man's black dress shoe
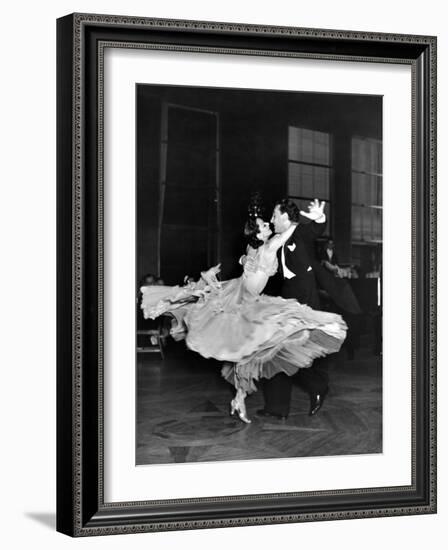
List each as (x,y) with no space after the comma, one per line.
(316,402)
(264,412)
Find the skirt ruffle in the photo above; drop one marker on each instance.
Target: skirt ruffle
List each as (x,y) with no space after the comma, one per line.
(255,336)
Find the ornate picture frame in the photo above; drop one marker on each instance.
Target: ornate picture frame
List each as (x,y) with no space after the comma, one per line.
(81,506)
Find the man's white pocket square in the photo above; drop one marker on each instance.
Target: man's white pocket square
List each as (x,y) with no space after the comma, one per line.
(292,246)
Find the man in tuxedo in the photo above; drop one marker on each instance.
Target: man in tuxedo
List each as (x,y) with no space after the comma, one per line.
(296,259)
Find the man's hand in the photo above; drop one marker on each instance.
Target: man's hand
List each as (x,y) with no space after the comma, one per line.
(315,211)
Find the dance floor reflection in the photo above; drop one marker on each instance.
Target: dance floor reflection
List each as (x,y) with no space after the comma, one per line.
(183,413)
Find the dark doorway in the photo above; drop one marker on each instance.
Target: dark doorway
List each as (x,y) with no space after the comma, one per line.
(189,191)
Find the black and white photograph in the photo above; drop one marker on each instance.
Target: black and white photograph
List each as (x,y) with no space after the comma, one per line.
(259,243)
(220,292)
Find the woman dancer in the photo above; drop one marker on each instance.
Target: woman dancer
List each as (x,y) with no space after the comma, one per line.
(255,335)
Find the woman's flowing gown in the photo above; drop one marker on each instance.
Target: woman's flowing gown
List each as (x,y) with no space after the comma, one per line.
(255,335)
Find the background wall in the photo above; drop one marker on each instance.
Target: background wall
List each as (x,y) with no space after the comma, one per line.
(27,223)
(254,157)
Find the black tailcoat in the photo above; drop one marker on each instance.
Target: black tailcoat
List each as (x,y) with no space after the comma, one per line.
(300,259)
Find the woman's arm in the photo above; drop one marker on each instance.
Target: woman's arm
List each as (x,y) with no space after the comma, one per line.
(249,252)
(247,261)
(280,239)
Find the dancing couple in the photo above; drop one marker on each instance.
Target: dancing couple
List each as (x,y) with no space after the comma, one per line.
(260,337)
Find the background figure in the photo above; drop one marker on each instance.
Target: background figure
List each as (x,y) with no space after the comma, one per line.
(162,325)
(328,257)
(337,294)
(146,280)
(296,259)
(143,325)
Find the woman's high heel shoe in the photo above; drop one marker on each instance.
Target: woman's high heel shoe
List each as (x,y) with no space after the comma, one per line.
(240,409)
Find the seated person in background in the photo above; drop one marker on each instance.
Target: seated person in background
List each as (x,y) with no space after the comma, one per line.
(188,280)
(165,321)
(329,259)
(149,279)
(340,297)
(146,280)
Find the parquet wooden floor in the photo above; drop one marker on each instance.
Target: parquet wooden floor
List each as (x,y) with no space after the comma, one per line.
(183,413)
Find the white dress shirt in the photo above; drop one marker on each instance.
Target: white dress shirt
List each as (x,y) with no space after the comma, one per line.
(287,273)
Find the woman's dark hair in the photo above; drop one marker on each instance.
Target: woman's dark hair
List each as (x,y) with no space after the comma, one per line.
(251,230)
(291,208)
(255,208)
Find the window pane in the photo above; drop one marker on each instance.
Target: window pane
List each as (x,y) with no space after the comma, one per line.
(380,191)
(363,189)
(378,224)
(367,155)
(367,189)
(366,224)
(321,183)
(309,181)
(357,223)
(356,196)
(308,146)
(373,193)
(380,157)
(309,169)
(321,148)
(300,180)
(358,155)
(375,156)
(294,143)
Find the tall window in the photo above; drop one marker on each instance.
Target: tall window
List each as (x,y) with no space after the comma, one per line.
(367,203)
(309,167)
(367,190)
